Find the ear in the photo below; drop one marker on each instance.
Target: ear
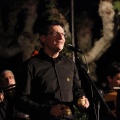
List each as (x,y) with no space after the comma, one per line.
(109,79)
(42,38)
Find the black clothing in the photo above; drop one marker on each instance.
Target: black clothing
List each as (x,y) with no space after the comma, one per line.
(44,82)
(118,105)
(8,111)
(109,99)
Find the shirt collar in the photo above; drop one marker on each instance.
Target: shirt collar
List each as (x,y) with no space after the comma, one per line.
(44,56)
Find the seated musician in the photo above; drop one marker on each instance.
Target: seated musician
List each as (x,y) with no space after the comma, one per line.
(113,82)
(7,90)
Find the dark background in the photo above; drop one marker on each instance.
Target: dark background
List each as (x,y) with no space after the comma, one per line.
(80,6)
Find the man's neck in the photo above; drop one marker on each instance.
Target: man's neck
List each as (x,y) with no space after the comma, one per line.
(52,54)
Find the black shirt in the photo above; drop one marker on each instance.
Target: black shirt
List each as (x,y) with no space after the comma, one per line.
(43,82)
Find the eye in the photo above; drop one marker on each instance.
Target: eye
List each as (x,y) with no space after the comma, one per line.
(57,33)
(64,34)
(11,77)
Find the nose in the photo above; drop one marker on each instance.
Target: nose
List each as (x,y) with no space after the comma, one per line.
(10,80)
(60,35)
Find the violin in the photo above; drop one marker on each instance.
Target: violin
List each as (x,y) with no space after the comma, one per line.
(110,99)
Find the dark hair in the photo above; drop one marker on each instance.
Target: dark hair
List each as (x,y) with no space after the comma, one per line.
(44,27)
(113,69)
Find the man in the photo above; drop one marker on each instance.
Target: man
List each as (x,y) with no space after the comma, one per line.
(7,107)
(113,83)
(112,95)
(113,77)
(48,83)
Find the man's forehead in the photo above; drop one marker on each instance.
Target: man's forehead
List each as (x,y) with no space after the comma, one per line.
(8,74)
(56,28)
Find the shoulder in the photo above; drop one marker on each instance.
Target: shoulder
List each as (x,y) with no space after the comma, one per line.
(67,59)
(30,63)
(32,59)
(68,62)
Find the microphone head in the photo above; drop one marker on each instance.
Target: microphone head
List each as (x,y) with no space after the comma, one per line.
(69,46)
(74,49)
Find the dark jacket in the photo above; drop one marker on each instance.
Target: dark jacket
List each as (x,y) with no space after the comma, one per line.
(8,111)
(43,82)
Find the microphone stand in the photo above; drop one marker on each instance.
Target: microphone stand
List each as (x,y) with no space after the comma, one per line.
(96,98)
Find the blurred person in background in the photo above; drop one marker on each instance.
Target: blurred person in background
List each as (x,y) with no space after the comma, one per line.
(7,90)
(111,87)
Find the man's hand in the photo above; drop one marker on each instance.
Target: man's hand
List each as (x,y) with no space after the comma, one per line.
(83,102)
(1,97)
(58,110)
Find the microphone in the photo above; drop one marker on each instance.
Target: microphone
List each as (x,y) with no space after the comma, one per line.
(74,49)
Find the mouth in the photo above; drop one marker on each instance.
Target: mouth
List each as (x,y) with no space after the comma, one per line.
(60,42)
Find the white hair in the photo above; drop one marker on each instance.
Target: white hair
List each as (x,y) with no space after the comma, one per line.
(3,72)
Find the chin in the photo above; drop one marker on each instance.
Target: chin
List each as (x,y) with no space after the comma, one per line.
(60,49)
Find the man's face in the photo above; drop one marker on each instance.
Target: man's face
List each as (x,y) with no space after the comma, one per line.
(8,79)
(55,39)
(116,80)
